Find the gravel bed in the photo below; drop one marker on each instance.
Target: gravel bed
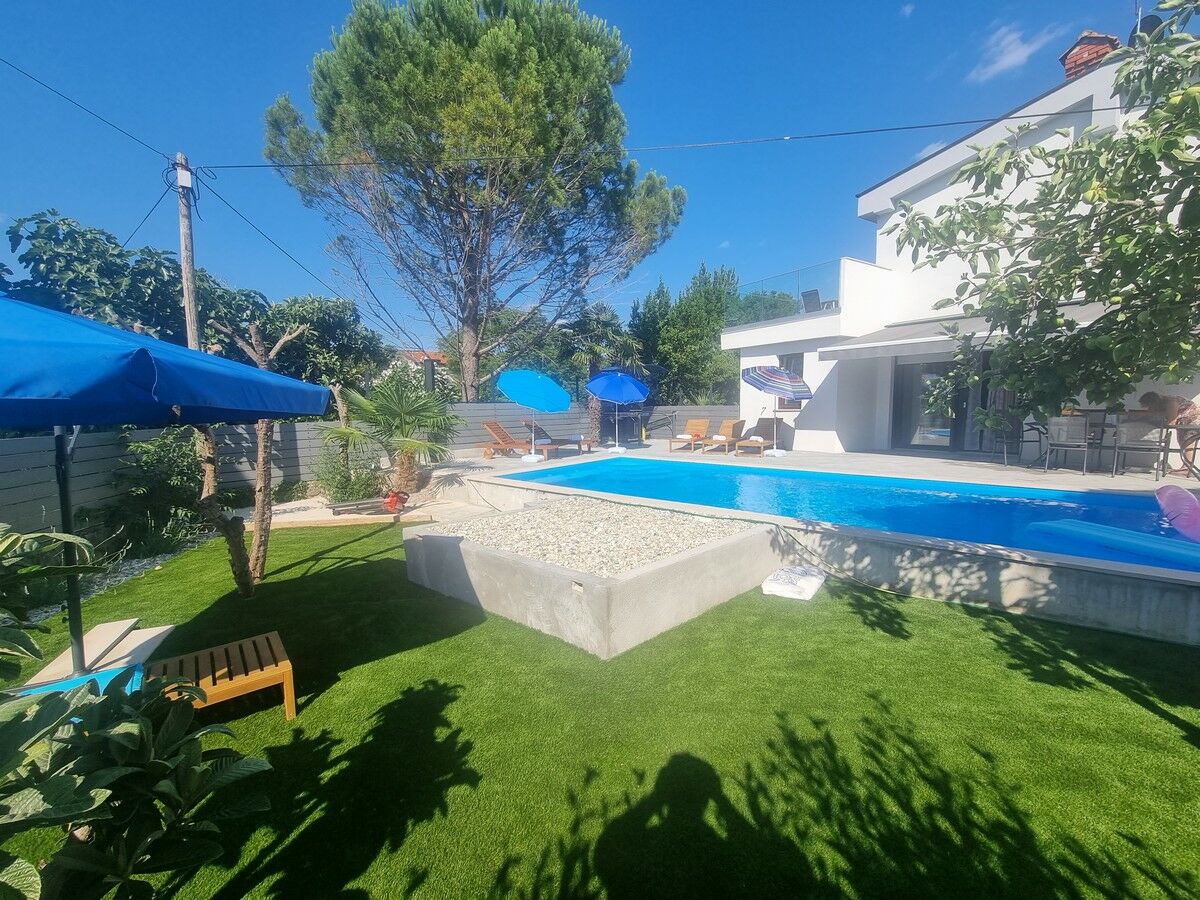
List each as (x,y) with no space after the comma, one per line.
(594,536)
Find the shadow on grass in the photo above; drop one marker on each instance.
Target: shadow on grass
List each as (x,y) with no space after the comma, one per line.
(1152,674)
(879,814)
(878,610)
(331,620)
(334,811)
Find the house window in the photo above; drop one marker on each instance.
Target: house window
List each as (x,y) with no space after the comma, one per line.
(794,363)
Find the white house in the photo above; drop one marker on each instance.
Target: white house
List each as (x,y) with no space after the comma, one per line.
(870,337)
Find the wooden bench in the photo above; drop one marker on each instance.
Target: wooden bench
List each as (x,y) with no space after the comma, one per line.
(233,670)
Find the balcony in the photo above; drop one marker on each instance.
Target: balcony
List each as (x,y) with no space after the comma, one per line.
(837,298)
(811,291)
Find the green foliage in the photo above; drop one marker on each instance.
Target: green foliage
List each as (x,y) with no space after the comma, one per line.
(336,347)
(287,491)
(345,481)
(25,560)
(160,488)
(646,321)
(493,175)
(695,369)
(760,306)
(77,268)
(1110,218)
(132,770)
(534,343)
(597,339)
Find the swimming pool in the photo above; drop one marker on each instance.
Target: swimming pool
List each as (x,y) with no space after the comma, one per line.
(960,511)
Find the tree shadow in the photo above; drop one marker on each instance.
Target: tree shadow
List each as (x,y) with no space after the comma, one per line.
(330,620)
(879,813)
(879,611)
(1153,674)
(377,791)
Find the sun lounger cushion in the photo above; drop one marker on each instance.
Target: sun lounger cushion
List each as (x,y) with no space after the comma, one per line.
(721,437)
(755,438)
(684,437)
(542,442)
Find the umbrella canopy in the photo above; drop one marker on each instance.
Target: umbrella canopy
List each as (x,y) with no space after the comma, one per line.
(777,381)
(62,369)
(533,389)
(617,387)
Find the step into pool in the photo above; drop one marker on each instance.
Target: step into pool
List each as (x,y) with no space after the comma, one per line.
(987,514)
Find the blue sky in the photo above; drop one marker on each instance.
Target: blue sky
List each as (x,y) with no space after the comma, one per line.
(199,77)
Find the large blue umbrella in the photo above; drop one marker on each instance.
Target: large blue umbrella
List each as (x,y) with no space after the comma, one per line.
(61,370)
(620,389)
(539,392)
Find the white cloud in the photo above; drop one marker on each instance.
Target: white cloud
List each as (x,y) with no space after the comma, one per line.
(930,149)
(908,9)
(1007,48)
(724,245)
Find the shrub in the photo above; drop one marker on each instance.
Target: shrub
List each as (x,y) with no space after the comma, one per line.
(287,491)
(342,483)
(123,774)
(161,485)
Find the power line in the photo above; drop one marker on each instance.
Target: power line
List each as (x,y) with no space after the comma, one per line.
(166,191)
(267,237)
(702,145)
(78,105)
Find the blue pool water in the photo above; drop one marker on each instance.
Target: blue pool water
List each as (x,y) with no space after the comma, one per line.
(944,509)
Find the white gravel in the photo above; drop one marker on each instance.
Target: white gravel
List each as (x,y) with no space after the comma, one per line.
(594,536)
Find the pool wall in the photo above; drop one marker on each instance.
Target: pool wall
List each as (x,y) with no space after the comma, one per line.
(1131,599)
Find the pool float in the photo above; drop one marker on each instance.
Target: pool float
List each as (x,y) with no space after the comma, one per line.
(1167,551)
(1181,508)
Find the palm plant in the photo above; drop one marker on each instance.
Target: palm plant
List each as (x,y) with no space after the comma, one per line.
(598,339)
(410,425)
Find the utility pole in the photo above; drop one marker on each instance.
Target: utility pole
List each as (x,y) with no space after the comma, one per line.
(187,262)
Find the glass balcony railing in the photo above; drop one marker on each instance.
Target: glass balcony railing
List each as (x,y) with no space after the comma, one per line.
(811,291)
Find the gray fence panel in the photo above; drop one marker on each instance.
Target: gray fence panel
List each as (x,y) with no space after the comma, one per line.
(29,494)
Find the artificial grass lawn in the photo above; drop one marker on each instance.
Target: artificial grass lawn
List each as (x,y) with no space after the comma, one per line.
(858,744)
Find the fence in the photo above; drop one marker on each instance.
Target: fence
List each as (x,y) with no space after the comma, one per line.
(29,493)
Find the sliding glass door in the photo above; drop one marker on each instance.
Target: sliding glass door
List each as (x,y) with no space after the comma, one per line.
(913,427)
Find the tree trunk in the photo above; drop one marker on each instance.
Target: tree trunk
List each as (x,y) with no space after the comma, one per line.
(594,417)
(231,528)
(469,362)
(265,432)
(404,473)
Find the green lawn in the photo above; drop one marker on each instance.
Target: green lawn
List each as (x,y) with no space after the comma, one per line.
(858,744)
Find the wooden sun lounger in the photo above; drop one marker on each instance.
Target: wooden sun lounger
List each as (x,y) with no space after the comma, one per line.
(503,442)
(112,645)
(698,428)
(233,670)
(763,429)
(728,436)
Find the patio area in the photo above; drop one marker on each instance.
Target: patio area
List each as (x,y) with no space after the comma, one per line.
(764,747)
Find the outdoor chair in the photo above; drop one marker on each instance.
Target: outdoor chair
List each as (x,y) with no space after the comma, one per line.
(756,440)
(503,442)
(693,433)
(1067,433)
(726,436)
(1137,435)
(542,438)
(233,670)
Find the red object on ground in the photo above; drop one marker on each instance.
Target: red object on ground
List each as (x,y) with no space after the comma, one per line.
(395,501)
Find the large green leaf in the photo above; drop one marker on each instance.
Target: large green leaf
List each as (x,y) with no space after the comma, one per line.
(18,879)
(57,799)
(227,772)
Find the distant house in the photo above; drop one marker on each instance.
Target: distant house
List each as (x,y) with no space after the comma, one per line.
(865,335)
(418,357)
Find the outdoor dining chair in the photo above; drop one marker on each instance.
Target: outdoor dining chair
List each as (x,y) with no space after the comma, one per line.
(1140,436)
(1067,433)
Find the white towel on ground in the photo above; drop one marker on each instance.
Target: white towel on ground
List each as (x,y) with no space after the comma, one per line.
(684,437)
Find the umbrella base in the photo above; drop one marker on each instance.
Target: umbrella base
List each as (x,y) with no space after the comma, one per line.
(617,449)
(533,458)
(774,453)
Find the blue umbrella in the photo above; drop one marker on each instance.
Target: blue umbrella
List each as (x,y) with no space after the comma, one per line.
(539,392)
(620,389)
(61,370)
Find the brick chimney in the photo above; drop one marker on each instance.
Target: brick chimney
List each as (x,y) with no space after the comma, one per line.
(1087,52)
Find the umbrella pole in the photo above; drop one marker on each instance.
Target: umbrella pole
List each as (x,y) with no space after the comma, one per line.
(62,471)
